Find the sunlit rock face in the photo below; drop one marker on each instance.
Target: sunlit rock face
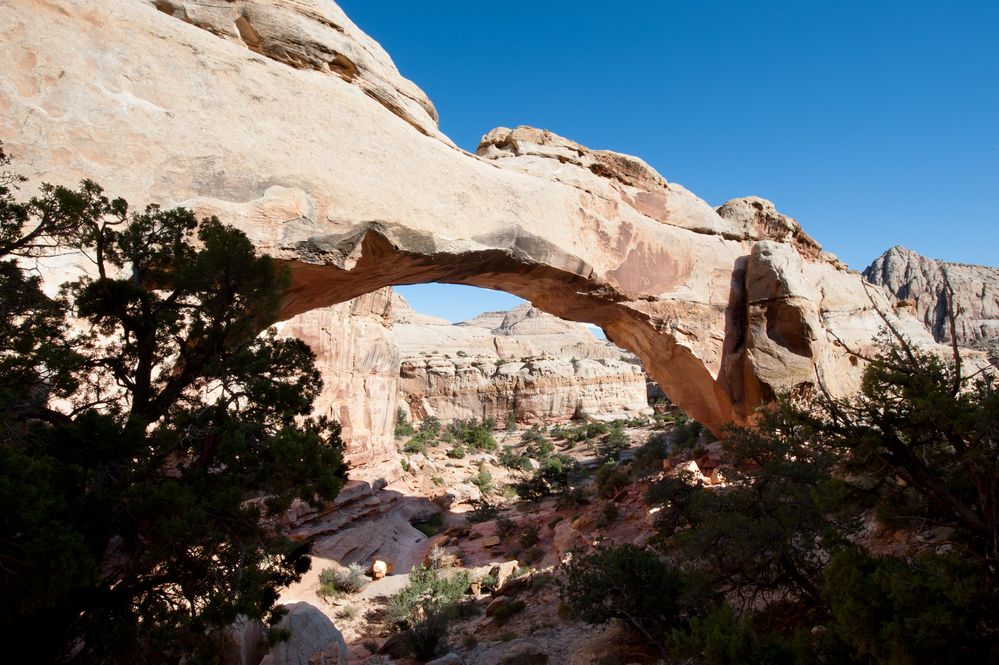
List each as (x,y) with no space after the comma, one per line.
(525,362)
(359,362)
(921,283)
(284,119)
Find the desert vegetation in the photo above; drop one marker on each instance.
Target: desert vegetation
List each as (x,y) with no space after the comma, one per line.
(149,435)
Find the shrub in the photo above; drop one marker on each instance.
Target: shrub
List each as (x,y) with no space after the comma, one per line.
(483,480)
(429,590)
(655,449)
(531,555)
(348,613)
(504,612)
(431,526)
(415,445)
(627,583)
(481,438)
(686,434)
(608,514)
(616,440)
(334,581)
(511,459)
(510,422)
(425,636)
(402,425)
(431,425)
(610,478)
(457,452)
(483,511)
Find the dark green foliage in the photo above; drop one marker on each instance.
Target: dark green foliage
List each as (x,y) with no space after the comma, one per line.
(505,612)
(608,514)
(431,526)
(610,479)
(723,638)
(419,442)
(767,531)
(686,433)
(457,452)
(511,459)
(431,425)
(423,610)
(649,457)
(475,435)
(131,526)
(483,511)
(615,441)
(917,447)
(483,480)
(927,609)
(534,435)
(627,583)
(402,425)
(552,477)
(510,422)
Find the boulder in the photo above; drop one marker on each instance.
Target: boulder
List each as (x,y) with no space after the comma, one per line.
(311,633)
(515,652)
(379,569)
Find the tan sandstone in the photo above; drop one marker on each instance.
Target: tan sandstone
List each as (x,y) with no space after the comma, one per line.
(282,118)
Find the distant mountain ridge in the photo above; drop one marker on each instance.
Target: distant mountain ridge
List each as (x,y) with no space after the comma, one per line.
(923,282)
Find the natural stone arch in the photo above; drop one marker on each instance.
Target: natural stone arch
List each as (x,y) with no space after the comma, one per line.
(310,140)
(565,294)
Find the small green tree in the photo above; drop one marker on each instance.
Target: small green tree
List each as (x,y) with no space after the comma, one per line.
(627,583)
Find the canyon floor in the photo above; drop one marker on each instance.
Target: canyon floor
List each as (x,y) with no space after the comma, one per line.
(431,512)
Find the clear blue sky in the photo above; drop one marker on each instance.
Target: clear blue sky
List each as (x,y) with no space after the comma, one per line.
(872,123)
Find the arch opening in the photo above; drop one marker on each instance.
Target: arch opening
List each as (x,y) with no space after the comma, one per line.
(344,271)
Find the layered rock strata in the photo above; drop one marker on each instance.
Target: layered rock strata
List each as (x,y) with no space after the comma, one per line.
(922,283)
(282,118)
(524,362)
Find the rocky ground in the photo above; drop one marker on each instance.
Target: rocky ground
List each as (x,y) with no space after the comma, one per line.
(431,512)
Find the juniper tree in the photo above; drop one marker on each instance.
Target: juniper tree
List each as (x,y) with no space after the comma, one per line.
(151,435)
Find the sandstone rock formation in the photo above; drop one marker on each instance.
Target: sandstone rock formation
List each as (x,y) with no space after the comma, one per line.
(312,633)
(359,361)
(522,361)
(922,283)
(282,118)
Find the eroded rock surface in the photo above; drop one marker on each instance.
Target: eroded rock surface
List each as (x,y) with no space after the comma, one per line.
(359,362)
(282,118)
(921,283)
(523,361)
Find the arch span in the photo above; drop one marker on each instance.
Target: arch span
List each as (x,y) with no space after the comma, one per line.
(310,140)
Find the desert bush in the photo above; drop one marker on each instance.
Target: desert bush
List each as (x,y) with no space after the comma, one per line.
(483,480)
(430,425)
(610,478)
(430,526)
(511,459)
(482,511)
(402,424)
(503,613)
(333,581)
(627,583)
(608,514)
(456,452)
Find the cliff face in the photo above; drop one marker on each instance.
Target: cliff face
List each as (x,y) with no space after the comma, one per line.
(359,362)
(284,119)
(922,282)
(522,361)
